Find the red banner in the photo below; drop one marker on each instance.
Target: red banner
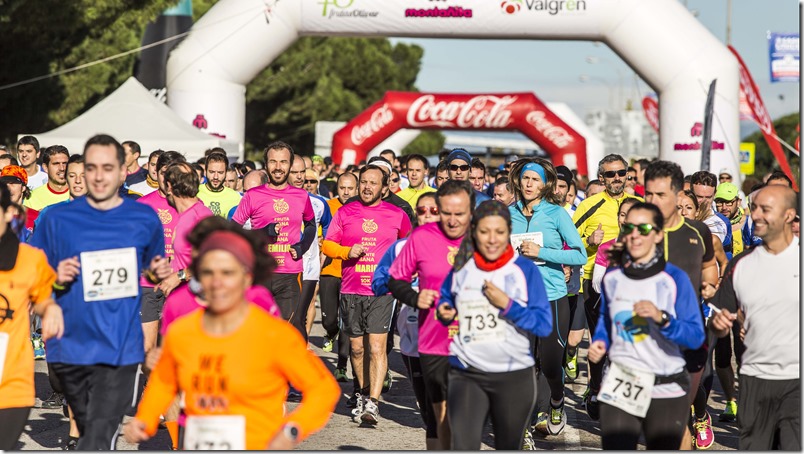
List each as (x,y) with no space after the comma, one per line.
(651,108)
(762,117)
(522,112)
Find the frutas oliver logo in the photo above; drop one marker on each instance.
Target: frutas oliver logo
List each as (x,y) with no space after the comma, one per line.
(280,206)
(369,226)
(553,7)
(340,4)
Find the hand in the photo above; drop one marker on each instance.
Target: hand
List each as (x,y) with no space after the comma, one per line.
(134,431)
(722,321)
(293,254)
(160,266)
(496,297)
(357,251)
(427,298)
(596,352)
(446,312)
(52,322)
(708,291)
(529,249)
(567,273)
(153,358)
(281,442)
(67,270)
(596,237)
(169,284)
(648,310)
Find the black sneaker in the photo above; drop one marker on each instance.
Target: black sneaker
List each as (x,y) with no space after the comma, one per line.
(71,445)
(352,401)
(592,406)
(55,401)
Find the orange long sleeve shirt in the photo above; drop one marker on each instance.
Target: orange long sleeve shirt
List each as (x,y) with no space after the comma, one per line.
(220,377)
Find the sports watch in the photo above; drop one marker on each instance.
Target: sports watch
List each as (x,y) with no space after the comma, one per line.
(183,275)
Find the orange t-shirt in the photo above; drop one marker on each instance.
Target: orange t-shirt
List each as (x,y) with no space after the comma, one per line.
(332,267)
(221,377)
(31,279)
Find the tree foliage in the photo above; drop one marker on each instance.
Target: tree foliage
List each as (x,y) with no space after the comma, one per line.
(786,130)
(427,143)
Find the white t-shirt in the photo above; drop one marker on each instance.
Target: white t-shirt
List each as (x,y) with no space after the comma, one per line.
(38,179)
(717,226)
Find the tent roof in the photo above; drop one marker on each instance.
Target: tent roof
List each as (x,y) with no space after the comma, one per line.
(132,113)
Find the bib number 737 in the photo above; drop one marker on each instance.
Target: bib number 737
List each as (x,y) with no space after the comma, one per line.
(627,389)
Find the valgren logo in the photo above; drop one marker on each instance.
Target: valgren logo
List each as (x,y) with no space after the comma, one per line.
(511,6)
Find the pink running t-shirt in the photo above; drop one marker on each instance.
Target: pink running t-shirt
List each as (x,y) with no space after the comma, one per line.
(377,228)
(169,218)
(430,254)
(182,251)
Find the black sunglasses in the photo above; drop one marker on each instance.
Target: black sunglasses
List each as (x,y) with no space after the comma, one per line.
(644,229)
(310,181)
(395,180)
(619,173)
(462,168)
(421,211)
(630,178)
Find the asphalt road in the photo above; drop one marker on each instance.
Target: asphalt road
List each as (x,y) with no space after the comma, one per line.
(400,426)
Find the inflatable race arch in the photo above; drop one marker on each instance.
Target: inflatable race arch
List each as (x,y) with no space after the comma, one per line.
(674,53)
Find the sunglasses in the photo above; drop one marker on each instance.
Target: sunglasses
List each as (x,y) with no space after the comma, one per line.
(310,181)
(630,178)
(462,168)
(725,177)
(395,180)
(612,173)
(724,202)
(421,211)
(644,229)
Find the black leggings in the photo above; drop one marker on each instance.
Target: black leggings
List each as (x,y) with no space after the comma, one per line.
(414,368)
(663,426)
(330,292)
(12,423)
(723,349)
(508,397)
(299,319)
(551,348)
(592,309)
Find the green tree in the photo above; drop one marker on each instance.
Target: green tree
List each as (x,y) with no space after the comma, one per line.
(786,130)
(427,143)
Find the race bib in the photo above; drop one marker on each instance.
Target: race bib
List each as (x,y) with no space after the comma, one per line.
(479,322)
(533,237)
(109,274)
(215,433)
(627,389)
(3,350)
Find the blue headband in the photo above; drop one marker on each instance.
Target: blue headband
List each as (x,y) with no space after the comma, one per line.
(536,168)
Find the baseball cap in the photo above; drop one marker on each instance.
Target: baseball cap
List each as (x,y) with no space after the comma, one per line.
(459,153)
(14,174)
(310,174)
(724,171)
(726,191)
(511,158)
(564,173)
(317,159)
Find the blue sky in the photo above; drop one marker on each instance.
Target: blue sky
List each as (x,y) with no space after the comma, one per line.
(552,69)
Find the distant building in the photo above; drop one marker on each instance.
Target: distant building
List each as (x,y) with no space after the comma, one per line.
(626,133)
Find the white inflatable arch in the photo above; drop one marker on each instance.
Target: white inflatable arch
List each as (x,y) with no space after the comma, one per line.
(676,55)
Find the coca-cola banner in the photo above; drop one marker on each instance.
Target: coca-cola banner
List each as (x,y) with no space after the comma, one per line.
(651,107)
(522,112)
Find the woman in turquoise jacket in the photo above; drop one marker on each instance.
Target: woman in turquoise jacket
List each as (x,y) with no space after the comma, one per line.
(543,231)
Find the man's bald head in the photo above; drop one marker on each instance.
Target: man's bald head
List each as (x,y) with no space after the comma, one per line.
(785,195)
(773,210)
(253,179)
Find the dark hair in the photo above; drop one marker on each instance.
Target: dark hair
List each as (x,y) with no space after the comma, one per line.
(214,150)
(689,194)
(704,178)
(779,175)
(631,169)
(573,183)
(155,154)
(609,159)
(688,179)
(616,253)
(451,187)
(183,179)
(595,182)
(11,158)
(275,145)
(478,164)
(485,209)
(28,140)
(53,150)
(167,158)
(75,159)
(5,197)
(442,155)
(385,176)
(666,169)
(548,192)
(443,166)
(642,163)
(427,195)
(216,157)
(107,140)
(264,264)
(250,164)
(135,147)
(503,181)
(418,157)
(388,151)
(395,172)
(658,219)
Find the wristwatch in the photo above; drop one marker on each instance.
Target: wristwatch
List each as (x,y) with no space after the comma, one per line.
(183,275)
(665,319)
(291,431)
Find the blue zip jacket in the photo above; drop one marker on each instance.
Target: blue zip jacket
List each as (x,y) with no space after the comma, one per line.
(557,228)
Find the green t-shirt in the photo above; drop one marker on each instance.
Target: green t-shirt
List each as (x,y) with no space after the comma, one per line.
(44,196)
(220,203)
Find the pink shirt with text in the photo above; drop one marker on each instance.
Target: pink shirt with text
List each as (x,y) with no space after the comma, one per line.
(377,228)
(289,207)
(169,218)
(602,257)
(430,254)
(181,247)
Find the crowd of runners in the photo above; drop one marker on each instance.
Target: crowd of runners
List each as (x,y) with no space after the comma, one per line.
(491,278)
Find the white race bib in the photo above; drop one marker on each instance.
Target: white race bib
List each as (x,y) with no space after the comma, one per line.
(3,350)
(533,237)
(479,322)
(109,274)
(215,433)
(628,389)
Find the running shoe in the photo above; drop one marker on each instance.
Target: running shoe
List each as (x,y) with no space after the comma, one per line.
(71,445)
(704,436)
(294,395)
(355,400)
(328,343)
(38,347)
(388,382)
(56,400)
(340,375)
(557,420)
(371,413)
(591,405)
(360,407)
(527,442)
(571,367)
(730,414)
(541,423)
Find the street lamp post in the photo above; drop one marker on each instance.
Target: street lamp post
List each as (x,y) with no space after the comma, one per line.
(587,78)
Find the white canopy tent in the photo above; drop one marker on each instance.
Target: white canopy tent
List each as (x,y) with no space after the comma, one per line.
(132,113)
